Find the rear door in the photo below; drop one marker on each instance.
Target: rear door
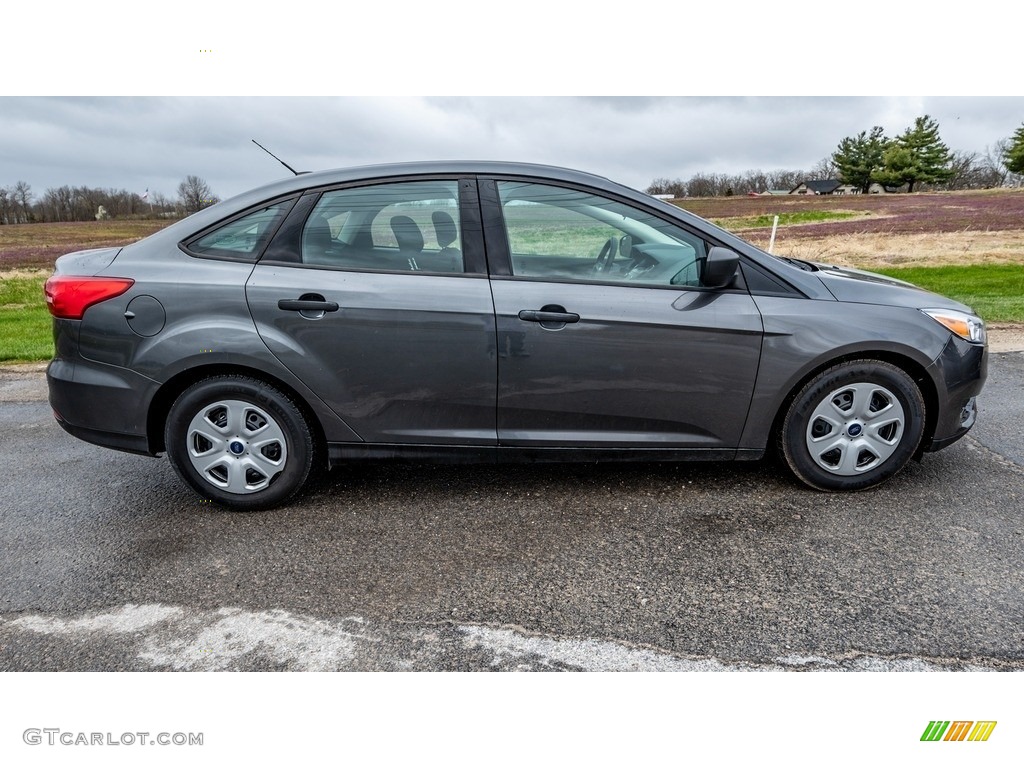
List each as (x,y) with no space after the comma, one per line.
(606,336)
(376,297)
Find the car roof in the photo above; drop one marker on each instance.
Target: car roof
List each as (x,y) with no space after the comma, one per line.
(430,167)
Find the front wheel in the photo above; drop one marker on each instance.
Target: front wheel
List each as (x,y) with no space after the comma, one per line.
(239,442)
(853,426)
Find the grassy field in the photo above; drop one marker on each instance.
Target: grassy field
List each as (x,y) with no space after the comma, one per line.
(37,246)
(982,211)
(25,328)
(786,218)
(967,245)
(996,291)
(27,254)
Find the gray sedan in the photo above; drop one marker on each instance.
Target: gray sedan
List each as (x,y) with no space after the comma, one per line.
(492,312)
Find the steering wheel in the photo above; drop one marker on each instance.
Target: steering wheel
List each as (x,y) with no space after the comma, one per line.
(606,256)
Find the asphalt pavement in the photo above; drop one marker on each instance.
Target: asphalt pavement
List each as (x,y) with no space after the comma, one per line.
(111,563)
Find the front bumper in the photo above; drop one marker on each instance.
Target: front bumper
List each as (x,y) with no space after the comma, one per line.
(960,369)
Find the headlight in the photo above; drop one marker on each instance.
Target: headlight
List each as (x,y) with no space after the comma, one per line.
(968,327)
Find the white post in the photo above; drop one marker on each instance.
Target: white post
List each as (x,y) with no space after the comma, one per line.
(775,226)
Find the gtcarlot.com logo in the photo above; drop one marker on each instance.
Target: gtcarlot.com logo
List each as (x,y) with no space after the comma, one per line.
(58,737)
(958,730)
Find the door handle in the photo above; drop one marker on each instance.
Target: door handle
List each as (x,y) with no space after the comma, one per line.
(307,305)
(544,316)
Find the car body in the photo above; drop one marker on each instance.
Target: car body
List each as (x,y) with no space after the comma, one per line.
(486,311)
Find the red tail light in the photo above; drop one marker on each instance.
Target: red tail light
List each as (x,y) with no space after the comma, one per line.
(68,296)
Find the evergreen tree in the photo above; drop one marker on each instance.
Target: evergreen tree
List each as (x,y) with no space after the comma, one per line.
(918,155)
(1014,157)
(858,157)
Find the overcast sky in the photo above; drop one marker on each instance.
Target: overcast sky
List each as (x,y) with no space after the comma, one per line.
(153,142)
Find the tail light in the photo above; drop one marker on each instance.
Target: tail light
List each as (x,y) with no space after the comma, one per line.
(68,296)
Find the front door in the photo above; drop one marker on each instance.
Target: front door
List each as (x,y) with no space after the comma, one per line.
(606,337)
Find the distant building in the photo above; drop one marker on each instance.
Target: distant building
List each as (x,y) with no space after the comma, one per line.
(775,192)
(816,187)
(877,189)
(664,197)
(847,189)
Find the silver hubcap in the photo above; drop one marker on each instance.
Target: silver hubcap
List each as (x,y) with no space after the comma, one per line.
(855,429)
(236,446)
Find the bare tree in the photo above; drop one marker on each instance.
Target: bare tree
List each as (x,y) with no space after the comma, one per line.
(824,169)
(88,200)
(995,162)
(5,206)
(160,203)
(783,179)
(755,181)
(58,204)
(725,184)
(21,194)
(195,194)
(674,187)
(81,203)
(701,185)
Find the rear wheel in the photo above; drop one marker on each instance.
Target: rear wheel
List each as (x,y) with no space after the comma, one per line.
(239,442)
(853,426)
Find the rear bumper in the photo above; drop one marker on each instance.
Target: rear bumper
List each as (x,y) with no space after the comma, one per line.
(962,367)
(101,404)
(129,443)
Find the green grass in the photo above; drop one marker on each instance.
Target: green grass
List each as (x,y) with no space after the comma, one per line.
(25,329)
(785,218)
(996,291)
(541,229)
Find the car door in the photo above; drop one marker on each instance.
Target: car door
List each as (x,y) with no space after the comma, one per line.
(606,337)
(376,297)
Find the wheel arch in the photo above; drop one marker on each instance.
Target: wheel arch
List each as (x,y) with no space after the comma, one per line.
(170,390)
(908,365)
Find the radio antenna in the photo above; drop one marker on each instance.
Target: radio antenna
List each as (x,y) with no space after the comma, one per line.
(282,162)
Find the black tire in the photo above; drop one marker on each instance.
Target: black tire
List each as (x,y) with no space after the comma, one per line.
(240,442)
(853,426)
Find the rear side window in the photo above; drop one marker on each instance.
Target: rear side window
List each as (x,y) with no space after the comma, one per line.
(241,239)
(398,227)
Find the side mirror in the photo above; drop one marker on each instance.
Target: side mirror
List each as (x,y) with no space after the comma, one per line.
(720,268)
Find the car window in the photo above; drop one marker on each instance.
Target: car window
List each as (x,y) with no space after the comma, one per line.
(242,238)
(409,227)
(557,233)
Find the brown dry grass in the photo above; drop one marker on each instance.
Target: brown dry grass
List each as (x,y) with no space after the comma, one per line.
(23,274)
(39,245)
(873,250)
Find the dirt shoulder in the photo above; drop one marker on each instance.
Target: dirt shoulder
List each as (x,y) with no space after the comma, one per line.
(1005,337)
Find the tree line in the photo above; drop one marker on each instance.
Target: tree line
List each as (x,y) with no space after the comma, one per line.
(18,204)
(916,159)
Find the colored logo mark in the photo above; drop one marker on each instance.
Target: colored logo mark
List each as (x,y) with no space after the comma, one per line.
(958,730)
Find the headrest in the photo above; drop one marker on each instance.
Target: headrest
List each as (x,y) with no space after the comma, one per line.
(407,233)
(444,228)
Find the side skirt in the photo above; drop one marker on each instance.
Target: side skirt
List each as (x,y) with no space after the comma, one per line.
(341,453)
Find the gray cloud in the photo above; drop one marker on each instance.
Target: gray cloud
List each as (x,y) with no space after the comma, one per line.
(139,143)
